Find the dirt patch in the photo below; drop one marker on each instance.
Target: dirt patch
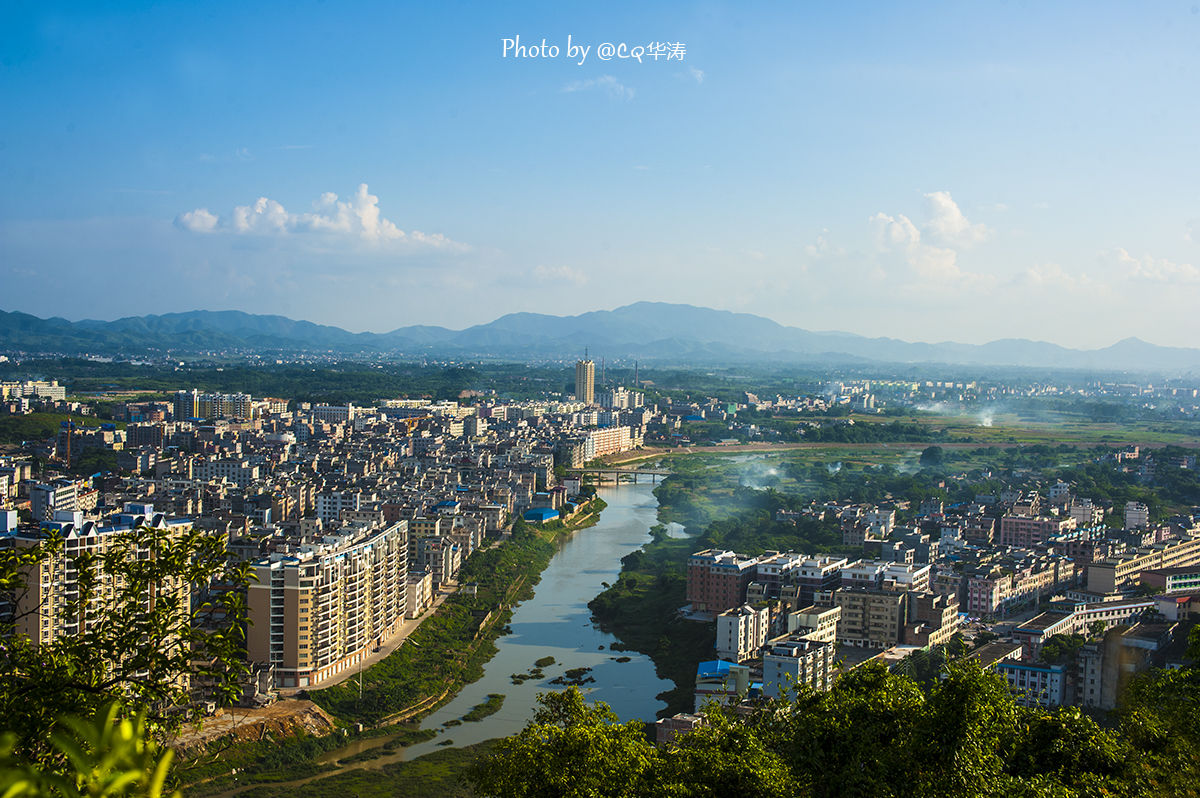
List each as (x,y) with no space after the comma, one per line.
(281,719)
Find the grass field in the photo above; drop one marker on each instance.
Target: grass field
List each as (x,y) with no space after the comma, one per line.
(39,427)
(436,775)
(1047,428)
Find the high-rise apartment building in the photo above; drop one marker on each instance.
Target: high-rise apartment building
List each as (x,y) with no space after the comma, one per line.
(187,405)
(43,610)
(316,612)
(741,632)
(585,381)
(193,404)
(226,405)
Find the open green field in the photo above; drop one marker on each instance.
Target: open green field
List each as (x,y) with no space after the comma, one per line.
(435,775)
(14,430)
(1047,428)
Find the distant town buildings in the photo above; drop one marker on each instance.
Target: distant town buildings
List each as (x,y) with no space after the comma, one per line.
(354,519)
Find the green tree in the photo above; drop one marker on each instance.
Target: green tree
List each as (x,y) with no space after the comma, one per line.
(723,757)
(571,749)
(875,733)
(1160,717)
(153,615)
(932,457)
(107,756)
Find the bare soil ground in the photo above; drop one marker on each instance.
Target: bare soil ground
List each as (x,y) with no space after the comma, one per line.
(281,719)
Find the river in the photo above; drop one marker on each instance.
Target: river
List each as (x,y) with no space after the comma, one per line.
(557,623)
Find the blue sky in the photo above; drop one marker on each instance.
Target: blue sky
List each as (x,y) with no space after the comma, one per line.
(956,171)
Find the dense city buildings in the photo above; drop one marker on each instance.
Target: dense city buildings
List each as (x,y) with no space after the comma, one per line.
(1044,560)
(353,519)
(1112,574)
(357,519)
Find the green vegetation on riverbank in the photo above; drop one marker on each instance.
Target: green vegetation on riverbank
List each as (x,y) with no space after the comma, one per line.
(489,707)
(274,759)
(435,775)
(450,647)
(642,608)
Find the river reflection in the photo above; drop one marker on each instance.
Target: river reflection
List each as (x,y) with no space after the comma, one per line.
(557,623)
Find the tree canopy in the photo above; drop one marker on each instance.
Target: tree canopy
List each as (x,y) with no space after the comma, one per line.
(875,733)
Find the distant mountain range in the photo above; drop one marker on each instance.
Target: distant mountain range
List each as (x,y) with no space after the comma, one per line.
(653,332)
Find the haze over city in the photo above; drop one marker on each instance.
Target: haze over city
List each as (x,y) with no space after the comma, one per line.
(945,172)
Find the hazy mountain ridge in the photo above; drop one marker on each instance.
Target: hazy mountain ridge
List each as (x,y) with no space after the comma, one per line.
(650,331)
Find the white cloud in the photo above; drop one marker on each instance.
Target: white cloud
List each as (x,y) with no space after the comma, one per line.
(931,250)
(697,74)
(198,221)
(948,225)
(561,274)
(606,83)
(357,219)
(1159,270)
(895,231)
(264,216)
(899,234)
(936,263)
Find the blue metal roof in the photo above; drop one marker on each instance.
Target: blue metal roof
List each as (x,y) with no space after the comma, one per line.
(713,667)
(540,514)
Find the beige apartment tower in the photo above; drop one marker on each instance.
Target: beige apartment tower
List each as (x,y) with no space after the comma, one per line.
(585,381)
(317,612)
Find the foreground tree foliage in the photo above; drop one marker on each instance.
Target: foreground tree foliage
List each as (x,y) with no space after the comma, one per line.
(156,614)
(874,734)
(109,755)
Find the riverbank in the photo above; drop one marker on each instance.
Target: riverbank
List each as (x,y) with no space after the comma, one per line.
(450,648)
(445,653)
(642,608)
